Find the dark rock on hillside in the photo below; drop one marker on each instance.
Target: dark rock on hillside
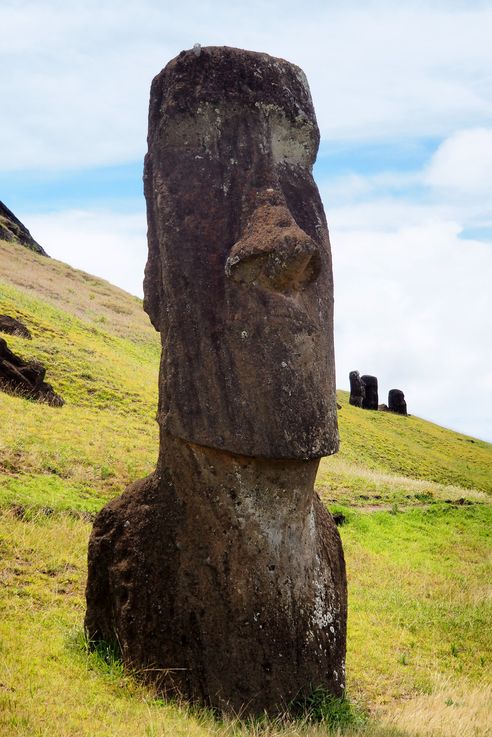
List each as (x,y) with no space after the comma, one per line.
(396,402)
(25,378)
(221,576)
(371,399)
(11,326)
(357,391)
(11,229)
(339,518)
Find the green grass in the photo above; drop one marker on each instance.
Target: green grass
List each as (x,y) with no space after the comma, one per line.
(88,366)
(419,649)
(418,612)
(421,593)
(410,447)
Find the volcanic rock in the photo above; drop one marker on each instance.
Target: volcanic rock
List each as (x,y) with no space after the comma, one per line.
(12,326)
(357,391)
(370,400)
(396,402)
(25,378)
(221,576)
(11,229)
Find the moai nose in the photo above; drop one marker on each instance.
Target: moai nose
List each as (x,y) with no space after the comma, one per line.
(274,252)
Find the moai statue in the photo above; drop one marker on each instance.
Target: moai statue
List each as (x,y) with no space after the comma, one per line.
(396,402)
(370,400)
(357,391)
(221,576)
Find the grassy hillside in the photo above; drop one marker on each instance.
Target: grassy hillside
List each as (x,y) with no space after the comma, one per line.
(416,499)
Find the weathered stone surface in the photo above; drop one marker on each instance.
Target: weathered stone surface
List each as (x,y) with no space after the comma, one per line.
(221,576)
(371,399)
(396,402)
(357,391)
(237,227)
(25,378)
(11,326)
(11,229)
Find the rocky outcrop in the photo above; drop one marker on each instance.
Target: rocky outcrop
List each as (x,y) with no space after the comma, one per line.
(11,229)
(371,399)
(396,402)
(25,378)
(221,577)
(12,326)
(357,391)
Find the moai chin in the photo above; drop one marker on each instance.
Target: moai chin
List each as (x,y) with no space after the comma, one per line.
(357,391)
(371,398)
(221,576)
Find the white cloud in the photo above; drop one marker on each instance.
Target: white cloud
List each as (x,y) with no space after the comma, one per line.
(413,307)
(78,75)
(108,244)
(455,185)
(413,296)
(463,164)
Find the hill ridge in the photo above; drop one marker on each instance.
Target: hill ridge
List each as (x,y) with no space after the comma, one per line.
(11,229)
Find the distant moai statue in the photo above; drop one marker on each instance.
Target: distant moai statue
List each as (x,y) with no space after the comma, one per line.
(396,402)
(371,399)
(221,576)
(357,391)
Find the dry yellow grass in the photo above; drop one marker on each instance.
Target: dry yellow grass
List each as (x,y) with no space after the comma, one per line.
(453,709)
(373,483)
(87,297)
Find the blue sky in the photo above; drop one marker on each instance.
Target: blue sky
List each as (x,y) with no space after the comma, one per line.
(403,94)
(120,185)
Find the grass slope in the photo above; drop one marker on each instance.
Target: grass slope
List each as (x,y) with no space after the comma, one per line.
(419,647)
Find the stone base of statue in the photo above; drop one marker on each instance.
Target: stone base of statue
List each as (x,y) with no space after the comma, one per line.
(221,579)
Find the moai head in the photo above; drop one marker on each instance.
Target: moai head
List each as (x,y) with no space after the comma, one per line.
(239,279)
(396,402)
(370,392)
(357,391)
